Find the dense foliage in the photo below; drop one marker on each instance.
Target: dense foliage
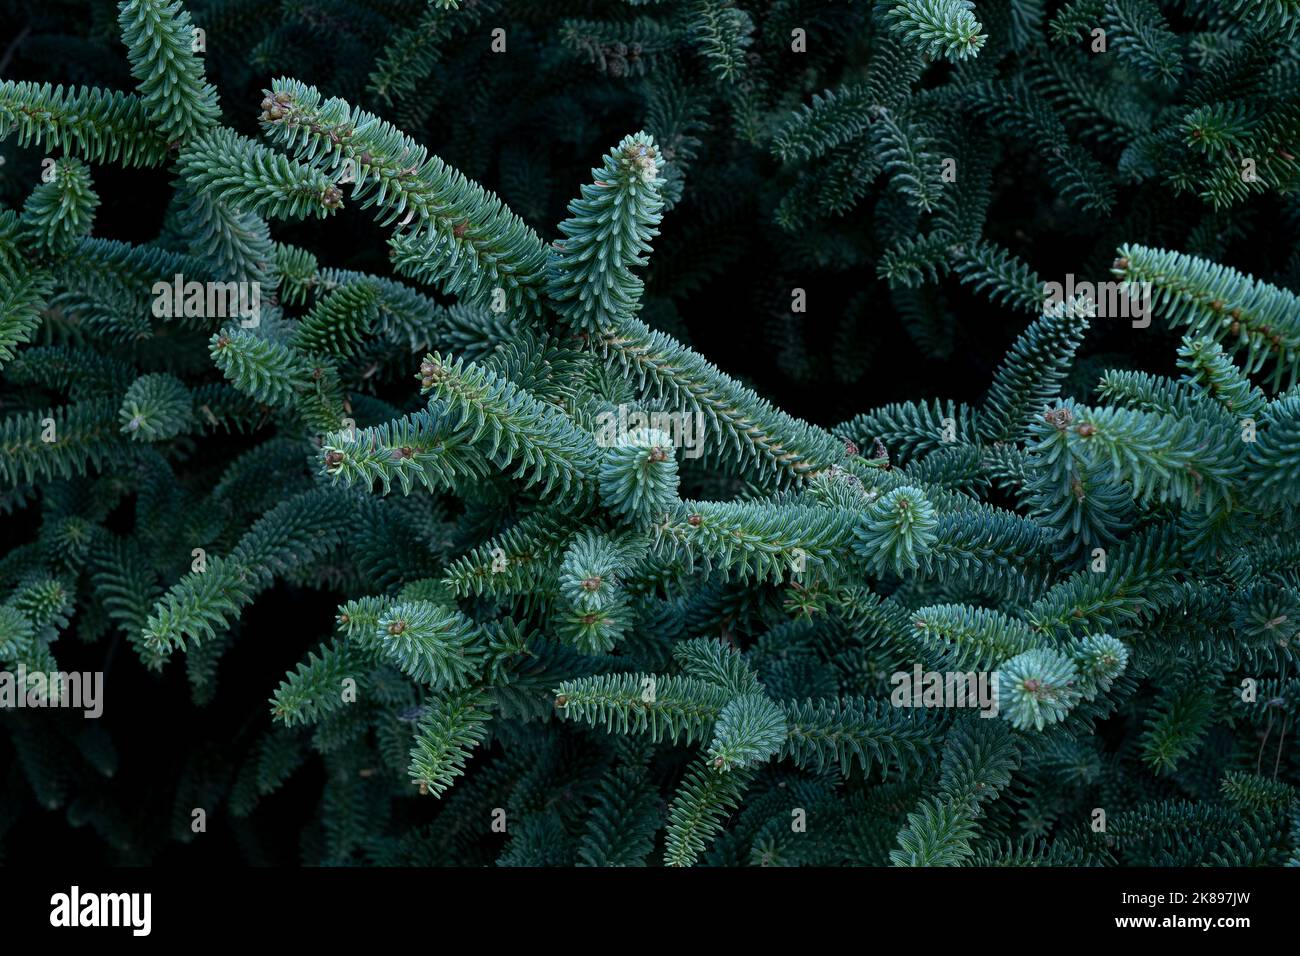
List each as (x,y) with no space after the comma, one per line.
(597,601)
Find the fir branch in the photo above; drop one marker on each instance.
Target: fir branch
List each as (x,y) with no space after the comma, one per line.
(509,425)
(462,237)
(746,427)
(104,126)
(159,43)
(937,27)
(590,280)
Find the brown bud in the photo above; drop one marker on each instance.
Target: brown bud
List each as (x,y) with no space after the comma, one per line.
(1086,429)
(333,459)
(397,627)
(1058,417)
(592,583)
(695,521)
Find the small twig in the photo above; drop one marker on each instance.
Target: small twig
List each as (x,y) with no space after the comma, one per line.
(12,48)
(1268,729)
(1278,760)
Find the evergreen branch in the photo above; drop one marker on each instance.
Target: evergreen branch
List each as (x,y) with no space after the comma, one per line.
(971,638)
(744,425)
(1161,457)
(463,237)
(1134,584)
(1275,456)
(1003,277)
(858,731)
(315,688)
(900,148)
(518,561)
(937,27)
(159,42)
(722,31)
(156,408)
(590,281)
(833,118)
(1240,313)
(290,536)
(658,706)
(620,830)
(695,817)
(908,430)
(509,425)
(61,211)
(750,730)
(450,728)
(59,442)
(1213,374)
(939,833)
(1030,376)
(717,663)
(340,321)
(256,180)
(22,296)
(1037,688)
(421,447)
(267,371)
(432,645)
(638,476)
(1139,33)
(755,540)
(103,126)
